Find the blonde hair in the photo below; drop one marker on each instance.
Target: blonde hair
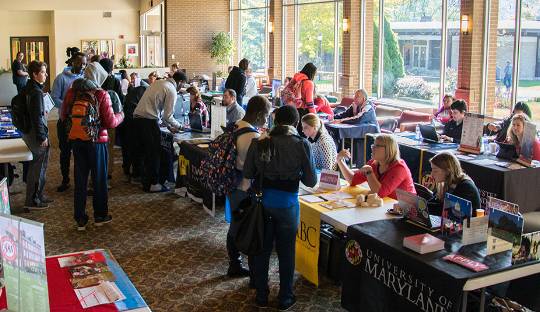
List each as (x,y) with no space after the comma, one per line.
(454,174)
(510,136)
(390,146)
(312,120)
(195,92)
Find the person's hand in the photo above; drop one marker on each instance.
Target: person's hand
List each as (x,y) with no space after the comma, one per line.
(336,121)
(493,127)
(366,170)
(446,138)
(45,143)
(343,154)
(173,129)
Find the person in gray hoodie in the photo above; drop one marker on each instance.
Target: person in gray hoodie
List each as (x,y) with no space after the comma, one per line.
(60,87)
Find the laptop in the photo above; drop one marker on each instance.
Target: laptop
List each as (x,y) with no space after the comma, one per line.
(195,124)
(429,134)
(415,210)
(507,151)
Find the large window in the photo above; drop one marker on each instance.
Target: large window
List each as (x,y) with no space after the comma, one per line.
(153,37)
(521,60)
(319,40)
(420,58)
(253,17)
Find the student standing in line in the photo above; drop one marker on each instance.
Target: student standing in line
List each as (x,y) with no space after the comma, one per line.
(324,148)
(37,139)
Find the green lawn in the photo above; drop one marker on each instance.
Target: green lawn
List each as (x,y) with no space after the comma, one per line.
(529,83)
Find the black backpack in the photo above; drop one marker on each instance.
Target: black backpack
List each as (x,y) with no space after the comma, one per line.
(19,112)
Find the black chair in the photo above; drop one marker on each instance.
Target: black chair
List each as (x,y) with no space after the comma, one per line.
(423,191)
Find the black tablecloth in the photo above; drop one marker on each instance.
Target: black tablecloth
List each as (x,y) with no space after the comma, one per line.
(388,277)
(518,186)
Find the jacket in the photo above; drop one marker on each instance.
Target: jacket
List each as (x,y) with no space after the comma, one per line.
(237,81)
(36,110)
(131,100)
(61,84)
(107,117)
(453,130)
(111,83)
(367,117)
(286,159)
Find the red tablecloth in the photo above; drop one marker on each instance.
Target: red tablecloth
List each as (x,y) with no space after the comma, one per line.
(62,298)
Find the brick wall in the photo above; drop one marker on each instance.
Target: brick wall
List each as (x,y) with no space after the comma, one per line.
(189,28)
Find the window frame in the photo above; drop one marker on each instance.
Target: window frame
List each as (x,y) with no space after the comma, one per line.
(143,39)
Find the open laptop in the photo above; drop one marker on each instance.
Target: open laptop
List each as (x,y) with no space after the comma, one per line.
(415,210)
(507,151)
(195,124)
(429,134)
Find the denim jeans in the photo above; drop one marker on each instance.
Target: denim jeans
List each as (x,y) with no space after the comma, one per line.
(282,213)
(90,158)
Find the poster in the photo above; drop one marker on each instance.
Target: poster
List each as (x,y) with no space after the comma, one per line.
(23,259)
(504,231)
(218,119)
(529,249)
(308,242)
(527,144)
(4,191)
(471,135)
(495,203)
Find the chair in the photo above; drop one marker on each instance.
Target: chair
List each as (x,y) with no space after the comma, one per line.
(423,191)
(388,125)
(409,119)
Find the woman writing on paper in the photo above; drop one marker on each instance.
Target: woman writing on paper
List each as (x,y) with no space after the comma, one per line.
(515,135)
(384,173)
(449,177)
(324,148)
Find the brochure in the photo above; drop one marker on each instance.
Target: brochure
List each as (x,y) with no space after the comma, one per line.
(92,280)
(218,119)
(504,231)
(466,262)
(329,180)
(88,269)
(104,293)
(529,249)
(335,196)
(495,203)
(457,208)
(527,144)
(338,204)
(82,259)
(474,230)
(471,135)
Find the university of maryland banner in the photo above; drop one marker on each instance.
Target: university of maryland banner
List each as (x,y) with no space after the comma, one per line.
(307,242)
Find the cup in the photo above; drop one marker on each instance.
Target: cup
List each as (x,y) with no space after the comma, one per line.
(493,147)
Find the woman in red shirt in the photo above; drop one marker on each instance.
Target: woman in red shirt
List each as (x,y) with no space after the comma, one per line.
(384,173)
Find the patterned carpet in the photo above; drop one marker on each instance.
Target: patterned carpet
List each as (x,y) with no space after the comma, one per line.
(169,247)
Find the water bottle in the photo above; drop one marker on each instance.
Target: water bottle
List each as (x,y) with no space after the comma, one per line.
(485,143)
(418,134)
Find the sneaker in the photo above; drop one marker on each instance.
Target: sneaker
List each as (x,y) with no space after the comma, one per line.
(99,221)
(81,225)
(62,188)
(237,271)
(158,188)
(285,306)
(37,206)
(46,200)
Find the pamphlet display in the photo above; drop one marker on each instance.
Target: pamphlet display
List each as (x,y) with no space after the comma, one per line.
(474,230)
(23,258)
(218,119)
(471,135)
(529,249)
(495,203)
(527,144)
(4,192)
(504,231)
(329,180)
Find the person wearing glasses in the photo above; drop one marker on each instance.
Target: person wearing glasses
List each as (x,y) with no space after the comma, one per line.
(384,173)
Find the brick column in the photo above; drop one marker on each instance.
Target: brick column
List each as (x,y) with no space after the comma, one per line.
(350,78)
(368,46)
(274,40)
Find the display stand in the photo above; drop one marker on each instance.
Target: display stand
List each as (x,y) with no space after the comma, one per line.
(471,135)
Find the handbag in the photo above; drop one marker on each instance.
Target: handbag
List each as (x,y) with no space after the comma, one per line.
(249,216)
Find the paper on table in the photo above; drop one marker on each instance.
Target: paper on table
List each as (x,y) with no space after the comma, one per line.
(464,157)
(104,293)
(483,162)
(475,231)
(335,196)
(311,199)
(338,204)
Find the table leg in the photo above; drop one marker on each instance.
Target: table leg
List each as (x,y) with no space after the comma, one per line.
(464,301)
(482,299)
(352,153)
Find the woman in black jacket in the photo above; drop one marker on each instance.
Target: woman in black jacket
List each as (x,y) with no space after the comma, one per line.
(449,177)
(37,138)
(285,158)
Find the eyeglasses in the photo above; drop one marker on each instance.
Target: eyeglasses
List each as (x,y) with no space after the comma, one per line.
(377,145)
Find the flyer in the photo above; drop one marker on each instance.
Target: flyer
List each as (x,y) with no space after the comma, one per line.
(504,231)
(471,135)
(527,144)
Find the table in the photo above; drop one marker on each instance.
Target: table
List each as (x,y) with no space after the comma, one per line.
(63,298)
(190,180)
(381,275)
(13,150)
(519,186)
(308,235)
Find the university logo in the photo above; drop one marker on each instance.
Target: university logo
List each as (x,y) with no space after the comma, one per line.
(353,253)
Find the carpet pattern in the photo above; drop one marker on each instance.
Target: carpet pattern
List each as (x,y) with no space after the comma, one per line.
(172,250)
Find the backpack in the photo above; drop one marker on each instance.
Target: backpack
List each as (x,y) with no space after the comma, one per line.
(19,113)
(83,122)
(220,166)
(292,94)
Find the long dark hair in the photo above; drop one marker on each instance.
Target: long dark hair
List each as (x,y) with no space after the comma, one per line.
(309,70)
(522,106)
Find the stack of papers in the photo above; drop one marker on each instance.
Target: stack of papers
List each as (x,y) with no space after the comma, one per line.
(104,293)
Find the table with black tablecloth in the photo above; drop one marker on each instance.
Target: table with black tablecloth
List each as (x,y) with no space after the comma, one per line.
(382,275)
(519,186)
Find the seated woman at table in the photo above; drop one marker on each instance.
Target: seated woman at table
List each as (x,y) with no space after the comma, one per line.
(500,129)
(324,148)
(449,177)
(361,111)
(444,113)
(515,135)
(196,104)
(452,129)
(384,173)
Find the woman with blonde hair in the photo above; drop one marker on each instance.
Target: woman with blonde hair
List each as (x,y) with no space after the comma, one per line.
(384,173)
(450,178)
(515,135)
(322,144)
(196,104)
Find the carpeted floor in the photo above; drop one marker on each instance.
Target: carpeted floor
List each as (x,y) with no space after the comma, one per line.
(169,247)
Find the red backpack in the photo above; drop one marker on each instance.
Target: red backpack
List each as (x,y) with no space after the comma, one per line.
(292,94)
